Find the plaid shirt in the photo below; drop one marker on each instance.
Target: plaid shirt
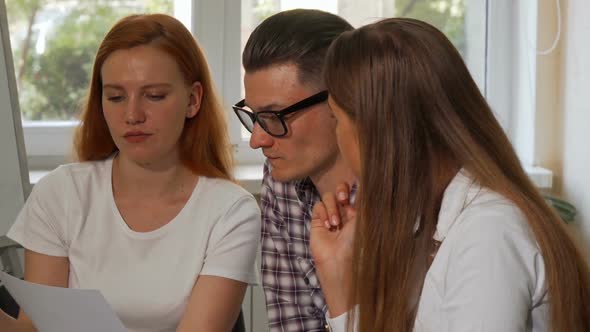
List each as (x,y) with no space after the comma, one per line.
(294,300)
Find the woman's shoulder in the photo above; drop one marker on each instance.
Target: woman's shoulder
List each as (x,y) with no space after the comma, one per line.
(490,252)
(489,213)
(489,224)
(468,206)
(480,220)
(225,202)
(77,174)
(224,189)
(221,196)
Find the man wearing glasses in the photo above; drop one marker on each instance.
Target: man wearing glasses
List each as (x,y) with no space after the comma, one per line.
(286,111)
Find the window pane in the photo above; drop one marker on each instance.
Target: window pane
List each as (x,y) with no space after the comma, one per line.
(54,43)
(463,21)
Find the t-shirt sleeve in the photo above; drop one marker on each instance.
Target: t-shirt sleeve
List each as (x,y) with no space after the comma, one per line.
(41,224)
(233,243)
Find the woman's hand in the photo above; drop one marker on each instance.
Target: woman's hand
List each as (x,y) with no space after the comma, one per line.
(331,244)
(332,227)
(5,320)
(8,323)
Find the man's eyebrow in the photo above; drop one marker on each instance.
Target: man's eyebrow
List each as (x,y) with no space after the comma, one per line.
(273,107)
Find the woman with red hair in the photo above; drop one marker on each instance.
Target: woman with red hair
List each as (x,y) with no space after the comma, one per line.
(149,215)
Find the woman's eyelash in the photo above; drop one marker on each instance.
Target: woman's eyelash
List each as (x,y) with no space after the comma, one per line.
(114,98)
(156,96)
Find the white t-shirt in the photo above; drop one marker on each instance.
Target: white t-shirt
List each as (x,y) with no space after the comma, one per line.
(146,277)
(488,274)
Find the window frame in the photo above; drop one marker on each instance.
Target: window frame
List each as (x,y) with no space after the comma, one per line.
(511,72)
(216,25)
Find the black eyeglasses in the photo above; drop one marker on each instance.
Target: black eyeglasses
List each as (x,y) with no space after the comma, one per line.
(273,122)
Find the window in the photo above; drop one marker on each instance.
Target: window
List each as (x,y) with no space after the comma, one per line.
(496,38)
(511,73)
(461,20)
(54,42)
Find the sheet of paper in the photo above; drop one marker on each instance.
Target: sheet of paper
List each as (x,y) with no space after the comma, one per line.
(55,309)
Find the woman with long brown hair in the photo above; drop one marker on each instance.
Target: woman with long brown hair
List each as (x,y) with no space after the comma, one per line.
(448,233)
(150,215)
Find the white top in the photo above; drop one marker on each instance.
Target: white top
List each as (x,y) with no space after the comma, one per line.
(488,274)
(146,277)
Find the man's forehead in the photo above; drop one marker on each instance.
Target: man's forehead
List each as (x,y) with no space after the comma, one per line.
(263,92)
(280,75)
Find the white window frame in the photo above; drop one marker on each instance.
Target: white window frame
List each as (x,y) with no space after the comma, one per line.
(511,78)
(511,71)
(216,25)
(48,143)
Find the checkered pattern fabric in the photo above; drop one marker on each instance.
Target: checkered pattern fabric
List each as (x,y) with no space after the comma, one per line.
(294,300)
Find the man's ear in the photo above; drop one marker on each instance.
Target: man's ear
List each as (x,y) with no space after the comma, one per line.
(195,98)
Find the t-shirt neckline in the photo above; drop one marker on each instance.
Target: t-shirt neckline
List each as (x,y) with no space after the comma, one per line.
(156,232)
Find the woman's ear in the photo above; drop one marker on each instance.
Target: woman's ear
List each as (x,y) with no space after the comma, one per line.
(195,98)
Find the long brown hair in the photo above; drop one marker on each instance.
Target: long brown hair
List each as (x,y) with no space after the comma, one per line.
(413,101)
(204,142)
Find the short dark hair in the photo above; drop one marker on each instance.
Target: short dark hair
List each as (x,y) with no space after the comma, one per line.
(297,36)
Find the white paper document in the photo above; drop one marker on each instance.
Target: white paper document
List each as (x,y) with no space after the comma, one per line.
(56,309)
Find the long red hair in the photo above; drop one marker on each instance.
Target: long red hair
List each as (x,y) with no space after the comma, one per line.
(204,144)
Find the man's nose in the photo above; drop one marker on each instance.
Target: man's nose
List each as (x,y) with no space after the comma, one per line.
(260,138)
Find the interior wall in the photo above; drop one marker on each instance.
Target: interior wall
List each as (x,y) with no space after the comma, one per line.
(563,107)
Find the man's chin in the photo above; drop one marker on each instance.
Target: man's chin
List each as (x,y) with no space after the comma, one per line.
(284,175)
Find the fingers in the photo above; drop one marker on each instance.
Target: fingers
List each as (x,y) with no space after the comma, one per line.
(320,215)
(334,209)
(338,204)
(315,223)
(327,213)
(349,214)
(343,194)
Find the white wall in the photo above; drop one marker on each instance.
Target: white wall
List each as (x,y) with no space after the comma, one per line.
(575,108)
